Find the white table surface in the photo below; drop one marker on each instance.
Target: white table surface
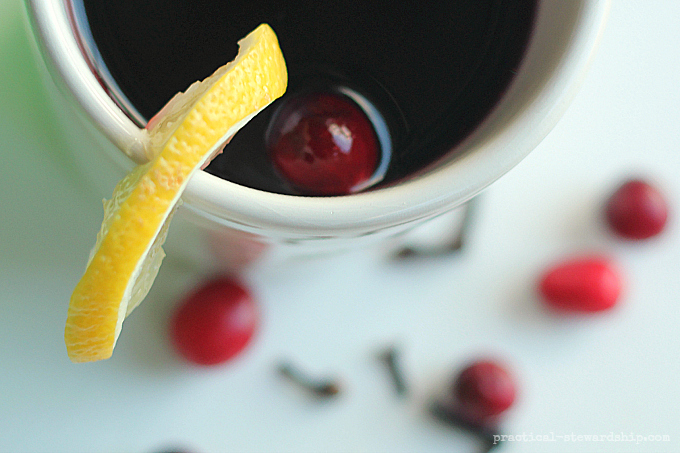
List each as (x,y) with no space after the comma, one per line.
(613,373)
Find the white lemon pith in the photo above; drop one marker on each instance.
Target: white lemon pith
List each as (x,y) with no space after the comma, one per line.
(182,138)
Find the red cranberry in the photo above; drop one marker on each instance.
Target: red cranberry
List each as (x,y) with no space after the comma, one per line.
(483,391)
(637,210)
(587,284)
(214,323)
(323,144)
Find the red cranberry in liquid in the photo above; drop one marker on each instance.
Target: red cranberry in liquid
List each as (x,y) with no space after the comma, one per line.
(323,144)
(637,210)
(587,284)
(483,391)
(214,323)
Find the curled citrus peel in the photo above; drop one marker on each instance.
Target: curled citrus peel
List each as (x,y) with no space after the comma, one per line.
(182,138)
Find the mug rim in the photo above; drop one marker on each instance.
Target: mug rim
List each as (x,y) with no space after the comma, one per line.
(419,197)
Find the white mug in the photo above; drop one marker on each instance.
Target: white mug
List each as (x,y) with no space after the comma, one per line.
(226,225)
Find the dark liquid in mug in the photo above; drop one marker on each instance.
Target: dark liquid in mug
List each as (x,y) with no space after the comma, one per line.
(432,69)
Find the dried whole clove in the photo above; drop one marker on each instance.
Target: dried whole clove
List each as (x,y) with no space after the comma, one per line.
(390,358)
(448,246)
(325,388)
(447,414)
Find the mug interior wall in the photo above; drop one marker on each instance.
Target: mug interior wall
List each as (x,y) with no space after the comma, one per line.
(547,54)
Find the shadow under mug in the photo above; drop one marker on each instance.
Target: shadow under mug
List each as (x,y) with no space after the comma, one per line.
(229,226)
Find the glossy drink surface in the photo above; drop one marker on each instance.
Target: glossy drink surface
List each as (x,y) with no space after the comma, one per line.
(431,70)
